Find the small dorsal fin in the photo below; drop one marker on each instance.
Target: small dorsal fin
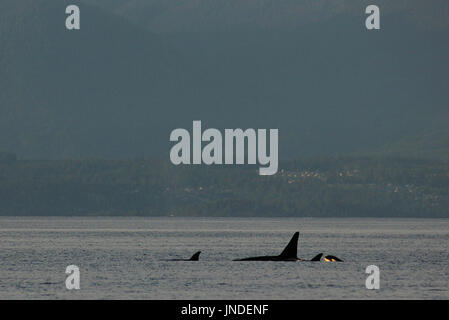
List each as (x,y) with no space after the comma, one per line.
(196,256)
(291,250)
(317,257)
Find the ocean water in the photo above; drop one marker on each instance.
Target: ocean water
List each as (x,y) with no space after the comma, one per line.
(123,258)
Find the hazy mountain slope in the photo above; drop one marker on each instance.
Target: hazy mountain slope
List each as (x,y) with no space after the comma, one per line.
(428,144)
(205,15)
(115,90)
(330,88)
(78,93)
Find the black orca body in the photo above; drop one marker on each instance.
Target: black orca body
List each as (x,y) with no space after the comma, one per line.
(332,259)
(290,253)
(195,257)
(317,257)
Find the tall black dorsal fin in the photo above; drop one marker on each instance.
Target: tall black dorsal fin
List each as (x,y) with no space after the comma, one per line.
(317,257)
(196,256)
(291,250)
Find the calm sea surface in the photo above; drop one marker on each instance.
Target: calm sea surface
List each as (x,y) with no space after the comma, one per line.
(122,258)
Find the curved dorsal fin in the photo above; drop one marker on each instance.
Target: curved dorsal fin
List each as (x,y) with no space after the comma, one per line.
(196,256)
(317,257)
(291,250)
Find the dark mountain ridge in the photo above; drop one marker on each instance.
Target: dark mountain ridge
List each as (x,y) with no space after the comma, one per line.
(115,90)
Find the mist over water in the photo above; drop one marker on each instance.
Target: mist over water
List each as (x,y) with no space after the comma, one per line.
(122,258)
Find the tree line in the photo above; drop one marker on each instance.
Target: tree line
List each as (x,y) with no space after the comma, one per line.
(313,187)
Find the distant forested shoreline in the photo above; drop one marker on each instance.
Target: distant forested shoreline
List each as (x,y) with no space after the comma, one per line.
(314,187)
